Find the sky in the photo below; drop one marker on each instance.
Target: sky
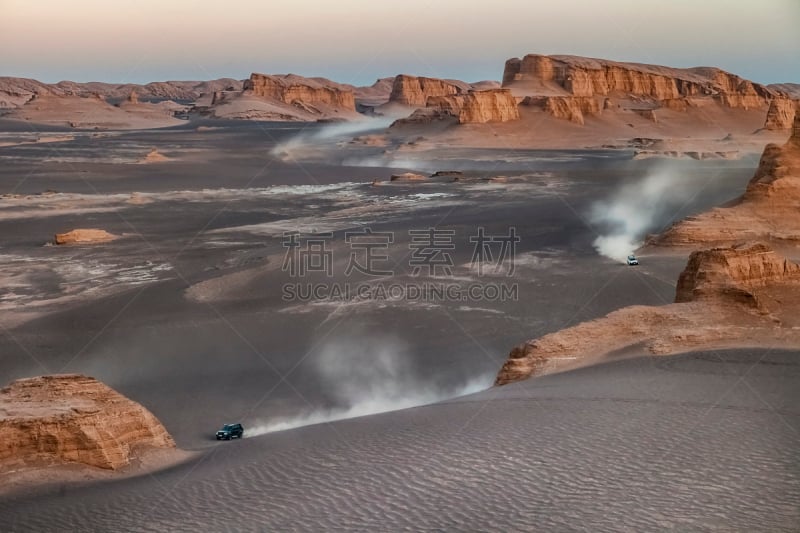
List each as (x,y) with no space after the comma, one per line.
(358,41)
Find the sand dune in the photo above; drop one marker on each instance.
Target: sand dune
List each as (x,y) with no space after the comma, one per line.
(679,443)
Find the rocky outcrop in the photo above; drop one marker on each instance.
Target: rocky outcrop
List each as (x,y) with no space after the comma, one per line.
(736,272)
(768,210)
(73,419)
(744,295)
(299,91)
(780,114)
(478,107)
(83,236)
(154,156)
(408,176)
(415,90)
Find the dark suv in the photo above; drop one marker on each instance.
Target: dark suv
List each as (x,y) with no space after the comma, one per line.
(230,431)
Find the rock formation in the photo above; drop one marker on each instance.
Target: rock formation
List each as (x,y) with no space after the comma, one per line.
(493,105)
(745,295)
(768,210)
(73,419)
(737,273)
(83,236)
(780,114)
(154,156)
(581,76)
(415,90)
(571,87)
(408,176)
(299,91)
(284,98)
(15,92)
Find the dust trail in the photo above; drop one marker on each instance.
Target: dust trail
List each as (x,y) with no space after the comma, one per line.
(369,376)
(310,139)
(639,208)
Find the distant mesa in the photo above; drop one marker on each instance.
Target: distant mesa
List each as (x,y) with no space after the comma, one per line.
(414,91)
(741,295)
(88,110)
(768,209)
(15,92)
(84,236)
(572,87)
(71,418)
(438,99)
(296,90)
(285,98)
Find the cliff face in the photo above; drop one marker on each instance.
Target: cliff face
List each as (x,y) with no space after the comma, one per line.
(574,109)
(73,418)
(295,90)
(477,107)
(780,114)
(415,91)
(580,76)
(744,295)
(572,87)
(768,210)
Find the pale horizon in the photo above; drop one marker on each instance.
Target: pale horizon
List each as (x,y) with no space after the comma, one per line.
(358,42)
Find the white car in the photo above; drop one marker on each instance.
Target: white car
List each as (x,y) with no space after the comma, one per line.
(632,261)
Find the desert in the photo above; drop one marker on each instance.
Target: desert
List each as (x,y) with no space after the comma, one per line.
(442,282)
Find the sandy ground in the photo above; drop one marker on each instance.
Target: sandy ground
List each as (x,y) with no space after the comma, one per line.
(701,442)
(57,475)
(184,314)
